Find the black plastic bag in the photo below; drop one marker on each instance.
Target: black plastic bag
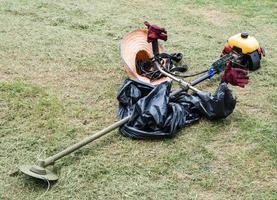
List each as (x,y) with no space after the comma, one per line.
(218,106)
(156,114)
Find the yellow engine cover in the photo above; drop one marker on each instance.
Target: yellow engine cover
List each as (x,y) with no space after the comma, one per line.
(247,44)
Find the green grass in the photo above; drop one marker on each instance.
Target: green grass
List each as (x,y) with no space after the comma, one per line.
(59,74)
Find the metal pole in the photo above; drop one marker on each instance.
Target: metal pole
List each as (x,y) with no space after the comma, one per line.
(52,159)
(182,83)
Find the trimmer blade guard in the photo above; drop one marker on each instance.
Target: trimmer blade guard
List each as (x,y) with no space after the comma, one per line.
(38,172)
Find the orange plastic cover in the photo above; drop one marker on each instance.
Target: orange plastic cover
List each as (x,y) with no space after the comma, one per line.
(134,46)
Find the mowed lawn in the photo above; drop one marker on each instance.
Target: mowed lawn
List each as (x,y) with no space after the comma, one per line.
(60,71)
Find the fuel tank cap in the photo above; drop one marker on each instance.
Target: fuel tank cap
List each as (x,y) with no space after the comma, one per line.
(244,35)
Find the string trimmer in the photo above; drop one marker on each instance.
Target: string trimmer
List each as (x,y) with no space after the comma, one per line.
(39,169)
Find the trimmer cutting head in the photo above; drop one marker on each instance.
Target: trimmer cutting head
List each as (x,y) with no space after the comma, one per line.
(38,172)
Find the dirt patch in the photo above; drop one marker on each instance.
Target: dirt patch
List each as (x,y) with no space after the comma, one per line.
(213,15)
(3,77)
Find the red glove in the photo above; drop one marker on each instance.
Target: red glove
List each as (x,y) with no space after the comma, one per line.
(227,49)
(235,76)
(155,32)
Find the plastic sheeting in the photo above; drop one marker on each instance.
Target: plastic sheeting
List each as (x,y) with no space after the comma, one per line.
(157,114)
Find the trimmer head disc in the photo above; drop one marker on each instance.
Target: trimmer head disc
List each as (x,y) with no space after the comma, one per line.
(38,172)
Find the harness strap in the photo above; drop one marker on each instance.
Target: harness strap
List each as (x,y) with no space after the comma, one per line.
(147,69)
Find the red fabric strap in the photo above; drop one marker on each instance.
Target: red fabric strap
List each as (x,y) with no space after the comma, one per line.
(155,32)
